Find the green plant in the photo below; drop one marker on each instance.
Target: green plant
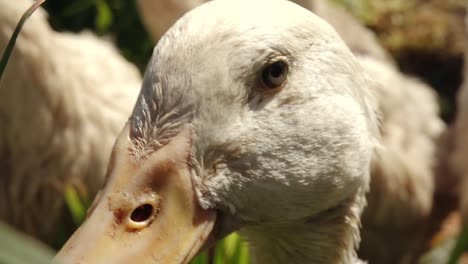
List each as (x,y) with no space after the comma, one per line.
(117,19)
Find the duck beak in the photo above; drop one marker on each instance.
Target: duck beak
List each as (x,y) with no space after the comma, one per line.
(146,213)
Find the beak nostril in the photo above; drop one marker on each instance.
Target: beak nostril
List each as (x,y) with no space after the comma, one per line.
(142,213)
(144,210)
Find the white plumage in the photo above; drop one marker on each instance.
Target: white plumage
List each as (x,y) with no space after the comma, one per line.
(81,121)
(402,179)
(402,186)
(288,164)
(63,99)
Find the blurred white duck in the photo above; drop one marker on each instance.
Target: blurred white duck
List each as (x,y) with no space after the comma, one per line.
(402,178)
(402,186)
(259,121)
(63,99)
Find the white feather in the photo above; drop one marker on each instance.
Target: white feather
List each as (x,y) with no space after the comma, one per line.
(63,100)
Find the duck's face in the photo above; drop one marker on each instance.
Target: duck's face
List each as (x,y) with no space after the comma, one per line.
(251,112)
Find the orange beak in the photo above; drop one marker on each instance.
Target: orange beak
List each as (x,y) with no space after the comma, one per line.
(146,213)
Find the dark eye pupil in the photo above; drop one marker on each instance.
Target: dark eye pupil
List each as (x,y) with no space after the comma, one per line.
(276,70)
(142,213)
(274,75)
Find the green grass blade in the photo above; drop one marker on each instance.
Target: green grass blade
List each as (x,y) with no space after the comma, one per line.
(200,259)
(439,254)
(78,6)
(238,250)
(75,205)
(9,48)
(231,250)
(220,254)
(231,244)
(461,246)
(449,251)
(104,16)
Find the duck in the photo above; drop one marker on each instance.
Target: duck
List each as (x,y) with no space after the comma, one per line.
(403,178)
(252,116)
(397,221)
(63,100)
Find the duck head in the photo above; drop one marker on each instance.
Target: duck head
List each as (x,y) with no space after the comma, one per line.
(251,113)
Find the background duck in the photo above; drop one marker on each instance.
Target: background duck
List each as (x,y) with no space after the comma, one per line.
(63,99)
(400,200)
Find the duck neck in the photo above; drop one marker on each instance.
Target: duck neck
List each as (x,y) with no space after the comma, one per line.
(330,237)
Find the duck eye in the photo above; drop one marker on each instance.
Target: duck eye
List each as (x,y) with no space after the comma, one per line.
(141,216)
(274,75)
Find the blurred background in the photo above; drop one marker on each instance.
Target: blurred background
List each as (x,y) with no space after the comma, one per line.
(425,38)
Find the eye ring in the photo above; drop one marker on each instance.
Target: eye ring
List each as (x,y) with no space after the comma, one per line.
(274,75)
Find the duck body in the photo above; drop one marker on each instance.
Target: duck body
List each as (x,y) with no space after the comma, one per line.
(402,177)
(63,99)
